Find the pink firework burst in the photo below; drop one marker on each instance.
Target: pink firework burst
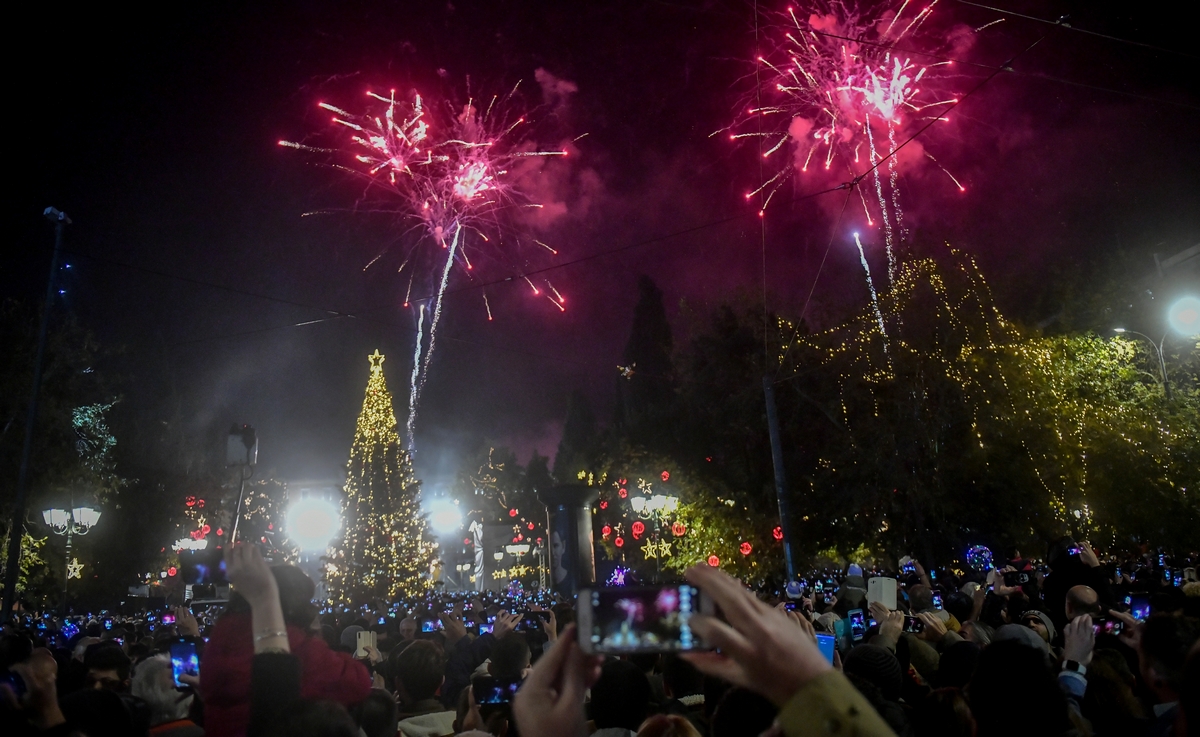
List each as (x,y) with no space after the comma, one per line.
(833,93)
(449,173)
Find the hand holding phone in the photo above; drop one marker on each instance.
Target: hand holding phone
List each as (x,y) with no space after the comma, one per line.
(184,662)
(363,640)
(647,619)
(761,649)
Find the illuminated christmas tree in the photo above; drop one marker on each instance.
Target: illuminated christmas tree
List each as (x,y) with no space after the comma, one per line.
(386,549)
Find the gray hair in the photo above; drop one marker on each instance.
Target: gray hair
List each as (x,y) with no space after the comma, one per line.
(154,683)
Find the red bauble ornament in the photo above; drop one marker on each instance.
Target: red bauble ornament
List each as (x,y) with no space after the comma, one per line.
(200,503)
(512,512)
(666,475)
(270,525)
(171,571)
(638,528)
(777,533)
(678,529)
(714,561)
(604,504)
(619,542)
(467,541)
(622,493)
(745,548)
(190,501)
(606,531)
(621,482)
(205,530)
(220,531)
(531,525)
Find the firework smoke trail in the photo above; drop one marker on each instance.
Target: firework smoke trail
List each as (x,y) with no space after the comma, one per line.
(416,372)
(447,173)
(862,257)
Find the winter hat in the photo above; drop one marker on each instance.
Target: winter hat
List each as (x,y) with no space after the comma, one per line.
(1023,635)
(877,665)
(854,570)
(1045,619)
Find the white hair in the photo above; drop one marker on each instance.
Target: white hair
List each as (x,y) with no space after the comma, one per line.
(154,683)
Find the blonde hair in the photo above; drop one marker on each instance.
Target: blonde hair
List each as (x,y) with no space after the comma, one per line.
(667,725)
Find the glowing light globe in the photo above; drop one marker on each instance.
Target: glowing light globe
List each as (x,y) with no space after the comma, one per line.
(1184,316)
(312,523)
(979,557)
(444,516)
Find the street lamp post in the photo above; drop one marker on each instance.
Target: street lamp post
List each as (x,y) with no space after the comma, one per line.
(75,521)
(1158,351)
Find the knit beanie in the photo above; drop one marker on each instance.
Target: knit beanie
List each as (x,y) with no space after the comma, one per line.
(877,665)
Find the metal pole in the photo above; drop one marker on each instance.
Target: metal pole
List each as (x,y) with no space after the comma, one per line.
(1162,365)
(67,566)
(785,516)
(16,529)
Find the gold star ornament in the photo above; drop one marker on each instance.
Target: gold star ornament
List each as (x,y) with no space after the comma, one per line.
(376,360)
(74,569)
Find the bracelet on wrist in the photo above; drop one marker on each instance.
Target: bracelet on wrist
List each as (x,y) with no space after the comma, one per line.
(268,635)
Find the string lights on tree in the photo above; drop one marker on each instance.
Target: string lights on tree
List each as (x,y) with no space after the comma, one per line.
(386,549)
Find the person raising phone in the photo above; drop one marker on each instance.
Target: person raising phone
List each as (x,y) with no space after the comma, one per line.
(761,650)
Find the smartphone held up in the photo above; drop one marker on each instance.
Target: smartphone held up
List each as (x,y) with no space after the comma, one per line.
(650,619)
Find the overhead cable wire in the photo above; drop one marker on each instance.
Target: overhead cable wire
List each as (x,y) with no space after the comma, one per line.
(1061,23)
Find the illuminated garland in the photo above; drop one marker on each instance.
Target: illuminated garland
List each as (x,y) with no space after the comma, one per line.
(386,550)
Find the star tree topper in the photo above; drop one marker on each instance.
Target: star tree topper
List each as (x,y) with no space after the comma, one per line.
(376,360)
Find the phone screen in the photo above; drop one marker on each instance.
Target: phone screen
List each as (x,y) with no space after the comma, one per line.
(184,661)
(858,624)
(913,625)
(168,619)
(937,600)
(826,643)
(491,691)
(431,625)
(649,619)
(486,627)
(1139,606)
(1108,626)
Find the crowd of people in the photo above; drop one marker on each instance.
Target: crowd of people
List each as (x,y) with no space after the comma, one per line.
(1066,645)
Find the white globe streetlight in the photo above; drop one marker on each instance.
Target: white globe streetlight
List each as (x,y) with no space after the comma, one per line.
(444,516)
(312,523)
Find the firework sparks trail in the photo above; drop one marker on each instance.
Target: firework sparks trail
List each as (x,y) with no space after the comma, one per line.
(433,322)
(862,257)
(416,374)
(831,81)
(447,173)
(883,210)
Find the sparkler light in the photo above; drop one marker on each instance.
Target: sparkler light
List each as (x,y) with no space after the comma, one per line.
(831,90)
(448,174)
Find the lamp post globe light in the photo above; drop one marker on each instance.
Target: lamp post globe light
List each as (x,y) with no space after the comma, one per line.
(1184,316)
(76,521)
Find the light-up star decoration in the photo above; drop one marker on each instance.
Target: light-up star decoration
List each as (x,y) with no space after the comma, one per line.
(654,549)
(376,360)
(74,569)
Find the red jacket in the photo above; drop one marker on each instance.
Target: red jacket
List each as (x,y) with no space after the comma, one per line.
(225,674)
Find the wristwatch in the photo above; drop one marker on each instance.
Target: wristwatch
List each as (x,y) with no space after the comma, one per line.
(1076,666)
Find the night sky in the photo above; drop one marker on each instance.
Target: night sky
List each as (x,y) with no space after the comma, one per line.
(156,131)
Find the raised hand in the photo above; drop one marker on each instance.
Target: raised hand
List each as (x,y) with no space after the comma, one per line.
(550,701)
(761,649)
